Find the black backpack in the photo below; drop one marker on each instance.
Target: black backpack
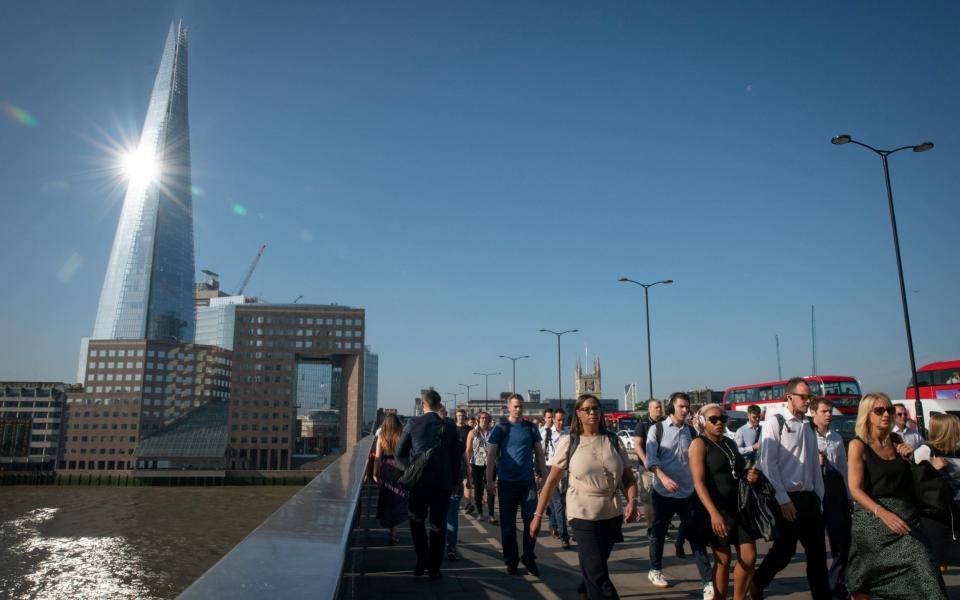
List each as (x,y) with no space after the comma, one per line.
(427,467)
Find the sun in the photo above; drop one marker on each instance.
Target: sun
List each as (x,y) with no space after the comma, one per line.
(140,166)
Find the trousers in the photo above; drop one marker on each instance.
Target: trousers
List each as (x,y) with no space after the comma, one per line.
(428,506)
(515,495)
(558,514)
(595,540)
(664,509)
(808,529)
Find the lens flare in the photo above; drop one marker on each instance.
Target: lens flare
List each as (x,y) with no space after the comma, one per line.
(140,166)
(238,209)
(19,115)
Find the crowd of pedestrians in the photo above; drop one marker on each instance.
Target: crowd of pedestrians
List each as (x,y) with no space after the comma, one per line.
(787,478)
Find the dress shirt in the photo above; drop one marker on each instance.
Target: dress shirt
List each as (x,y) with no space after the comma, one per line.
(910,435)
(671,457)
(832,447)
(551,440)
(790,459)
(747,436)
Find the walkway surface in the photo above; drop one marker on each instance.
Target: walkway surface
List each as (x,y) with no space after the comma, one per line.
(375,570)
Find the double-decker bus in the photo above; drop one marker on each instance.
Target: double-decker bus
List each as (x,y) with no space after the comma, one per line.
(938,381)
(842,391)
(617,421)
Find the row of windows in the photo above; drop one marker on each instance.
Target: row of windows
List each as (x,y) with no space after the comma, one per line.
(111,389)
(100,451)
(104,425)
(100,465)
(109,353)
(103,438)
(245,427)
(111,377)
(263,440)
(20,414)
(256,415)
(266,403)
(189,356)
(300,344)
(305,332)
(118,365)
(300,321)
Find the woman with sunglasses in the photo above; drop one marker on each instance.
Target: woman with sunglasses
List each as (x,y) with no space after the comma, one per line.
(717,468)
(889,557)
(597,467)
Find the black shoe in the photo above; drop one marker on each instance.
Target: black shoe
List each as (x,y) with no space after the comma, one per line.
(419,570)
(532,568)
(681,553)
(512,570)
(451,556)
(434,576)
(565,544)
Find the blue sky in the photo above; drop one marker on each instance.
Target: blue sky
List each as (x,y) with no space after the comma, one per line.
(472,172)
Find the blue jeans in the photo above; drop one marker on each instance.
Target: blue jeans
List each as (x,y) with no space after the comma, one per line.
(453,519)
(514,495)
(558,514)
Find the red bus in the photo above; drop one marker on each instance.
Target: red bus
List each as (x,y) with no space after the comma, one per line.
(938,381)
(621,420)
(843,391)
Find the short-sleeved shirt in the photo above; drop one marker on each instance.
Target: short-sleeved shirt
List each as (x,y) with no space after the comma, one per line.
(595,470)
(671,455)
(515,458)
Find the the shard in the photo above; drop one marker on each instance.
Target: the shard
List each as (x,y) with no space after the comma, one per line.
(148,288)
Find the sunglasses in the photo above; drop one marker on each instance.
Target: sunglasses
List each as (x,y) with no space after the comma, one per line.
(901,414)
(590,409)
(879,410)
(802,396)
(714,419)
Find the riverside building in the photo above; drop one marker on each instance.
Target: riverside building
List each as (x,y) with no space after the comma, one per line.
(30,424)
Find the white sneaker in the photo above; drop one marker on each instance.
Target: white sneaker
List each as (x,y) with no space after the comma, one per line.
(708,591)
(657,579)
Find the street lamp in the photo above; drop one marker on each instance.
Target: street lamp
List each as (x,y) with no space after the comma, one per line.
(846,139)
(455,396)
(472,385)
(486,383)
(514,359)
(646,300)
(558,334)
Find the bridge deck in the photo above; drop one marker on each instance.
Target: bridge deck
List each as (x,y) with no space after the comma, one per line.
(375,570)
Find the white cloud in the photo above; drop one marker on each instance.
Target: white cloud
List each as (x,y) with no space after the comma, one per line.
(69,268)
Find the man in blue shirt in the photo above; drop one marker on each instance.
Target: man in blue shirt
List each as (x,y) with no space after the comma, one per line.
(667,446)
(748,436)
(513,446)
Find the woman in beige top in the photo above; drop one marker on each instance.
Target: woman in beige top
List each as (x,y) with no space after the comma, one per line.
(592,475)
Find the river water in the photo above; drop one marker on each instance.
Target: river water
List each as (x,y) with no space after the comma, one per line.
(146,543)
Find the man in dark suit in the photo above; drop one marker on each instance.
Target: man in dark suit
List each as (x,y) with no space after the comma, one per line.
(428,502)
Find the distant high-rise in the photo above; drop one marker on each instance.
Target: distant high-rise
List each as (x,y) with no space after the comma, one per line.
(371,367)
(148,288)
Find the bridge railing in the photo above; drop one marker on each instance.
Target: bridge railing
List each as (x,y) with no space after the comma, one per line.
(299,551)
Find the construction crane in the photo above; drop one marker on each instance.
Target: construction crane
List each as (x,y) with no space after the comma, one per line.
(253,265)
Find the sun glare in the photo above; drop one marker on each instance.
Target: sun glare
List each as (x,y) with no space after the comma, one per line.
(140,166)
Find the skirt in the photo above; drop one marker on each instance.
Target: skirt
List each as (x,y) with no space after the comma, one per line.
(891,566)
(392,499)
(702,531)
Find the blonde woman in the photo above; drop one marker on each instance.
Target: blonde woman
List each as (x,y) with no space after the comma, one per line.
(940,528)
(392,501)
(889,557)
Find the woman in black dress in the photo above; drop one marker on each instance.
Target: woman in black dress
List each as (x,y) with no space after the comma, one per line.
(717,468)
(392,507)
(889,557)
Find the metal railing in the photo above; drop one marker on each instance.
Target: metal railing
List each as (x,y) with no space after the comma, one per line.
(299,551)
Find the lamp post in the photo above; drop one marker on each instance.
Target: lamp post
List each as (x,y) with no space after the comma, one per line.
(646,300)
(455,396)
(472,385)
(514,360)
(486,384)
(558,334)
(883,154)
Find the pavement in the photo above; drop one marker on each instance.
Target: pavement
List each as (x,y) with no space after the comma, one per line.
(375,570)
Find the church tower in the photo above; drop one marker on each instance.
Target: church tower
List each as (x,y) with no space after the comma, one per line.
(588,383)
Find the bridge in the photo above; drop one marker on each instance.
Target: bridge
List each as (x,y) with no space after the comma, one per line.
(325,543)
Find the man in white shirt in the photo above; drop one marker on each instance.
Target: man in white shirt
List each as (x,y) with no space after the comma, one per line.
(836,492)
(904,428)
(748,435)
(558,501)
(790,459)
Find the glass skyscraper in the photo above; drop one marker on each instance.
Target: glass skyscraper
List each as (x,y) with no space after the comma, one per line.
(148,289)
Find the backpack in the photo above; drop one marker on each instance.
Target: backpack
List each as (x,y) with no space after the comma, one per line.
(659,434)
(427,467)
(574,443)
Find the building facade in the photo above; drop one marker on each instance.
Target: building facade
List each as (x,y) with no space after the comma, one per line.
(148,287)
(371,368)
(588,383)
(30,424)
(135,388)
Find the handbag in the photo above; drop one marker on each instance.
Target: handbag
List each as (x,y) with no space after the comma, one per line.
(424,467)
(932,492)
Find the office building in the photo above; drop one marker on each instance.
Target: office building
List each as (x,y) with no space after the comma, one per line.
(135,388)
(371,366)
(30,424)
(148,288)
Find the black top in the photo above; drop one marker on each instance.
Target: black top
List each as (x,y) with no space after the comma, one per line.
(723,487)
(884,478)
(642,428)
